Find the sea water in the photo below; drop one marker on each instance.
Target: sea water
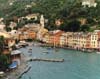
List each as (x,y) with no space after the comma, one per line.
(76,65)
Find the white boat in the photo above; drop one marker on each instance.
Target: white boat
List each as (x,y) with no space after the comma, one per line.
(30,51)
(46,52)
(2,73)
(98,52)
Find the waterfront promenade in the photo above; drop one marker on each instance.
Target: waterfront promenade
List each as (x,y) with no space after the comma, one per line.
(68,48)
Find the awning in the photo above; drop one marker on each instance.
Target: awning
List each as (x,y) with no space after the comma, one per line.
(13,65)
(15,52)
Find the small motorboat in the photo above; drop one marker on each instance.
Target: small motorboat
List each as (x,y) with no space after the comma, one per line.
(46,52)
(98,52)
(30,50)
(49,48)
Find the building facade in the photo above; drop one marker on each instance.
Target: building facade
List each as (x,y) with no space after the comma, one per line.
(89,3)
(76,40)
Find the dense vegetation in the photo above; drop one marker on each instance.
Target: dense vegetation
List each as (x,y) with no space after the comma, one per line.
(67,11)
(4,59)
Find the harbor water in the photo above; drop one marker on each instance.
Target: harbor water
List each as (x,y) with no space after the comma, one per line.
(76,65)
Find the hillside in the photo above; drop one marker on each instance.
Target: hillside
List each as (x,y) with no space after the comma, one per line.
(65,10)
(16,7)
(12,6)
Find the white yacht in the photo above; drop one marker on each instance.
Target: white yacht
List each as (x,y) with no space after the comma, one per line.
(98,52)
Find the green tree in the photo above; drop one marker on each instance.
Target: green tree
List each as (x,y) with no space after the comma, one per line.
(2,43)
(3,62)
(64,26)
(15,28)
(90,21)
(4,59)
(85,28)
(74,26)
(8,29)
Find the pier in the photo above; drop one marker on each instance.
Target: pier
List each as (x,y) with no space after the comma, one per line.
(25,71)
(48,60)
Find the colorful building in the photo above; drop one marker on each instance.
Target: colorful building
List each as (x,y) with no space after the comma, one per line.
(77,40)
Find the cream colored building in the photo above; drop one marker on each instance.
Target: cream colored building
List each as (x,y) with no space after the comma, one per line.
(89,3)
(94,40)
(46,38)
(70,39)
(9,40)
(2,26)
(63,39)
(82,40)
(77,40)
(12,25)
(30,16)
(5,34)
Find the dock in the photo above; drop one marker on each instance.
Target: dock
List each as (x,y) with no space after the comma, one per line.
(47,60)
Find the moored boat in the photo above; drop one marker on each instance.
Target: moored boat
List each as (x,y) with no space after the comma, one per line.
(98,52)
(46,52)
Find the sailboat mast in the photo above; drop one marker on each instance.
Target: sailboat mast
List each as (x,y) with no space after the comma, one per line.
(54,38)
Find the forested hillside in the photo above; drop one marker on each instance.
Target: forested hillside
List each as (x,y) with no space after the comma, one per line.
(68,11)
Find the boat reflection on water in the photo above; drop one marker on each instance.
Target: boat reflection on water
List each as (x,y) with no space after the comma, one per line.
(30,50)
(53,48)
(56,49)
(49,48)
(30,77)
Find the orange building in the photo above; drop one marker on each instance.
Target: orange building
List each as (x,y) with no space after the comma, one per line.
(31,35)
(55,38)
(27,35)
(88,41)
(21,36)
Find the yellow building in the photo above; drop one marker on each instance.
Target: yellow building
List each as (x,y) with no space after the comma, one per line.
(27,35)
(46,38)
(76,40)
(82,40)
(31,34)
(63,39)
